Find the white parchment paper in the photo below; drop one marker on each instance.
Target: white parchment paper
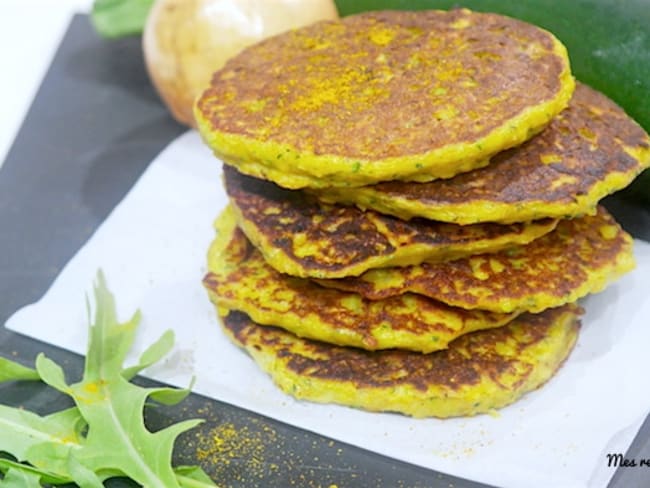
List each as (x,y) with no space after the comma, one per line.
(152,249)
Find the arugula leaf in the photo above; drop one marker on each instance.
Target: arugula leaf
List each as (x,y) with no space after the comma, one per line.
(154,353)
(53,455)
(104,436)
(19,478)
(192,477)
(12,371)
(117,18)
(187,476)
(45,476)
(82,475)
(112,406)
(22,431)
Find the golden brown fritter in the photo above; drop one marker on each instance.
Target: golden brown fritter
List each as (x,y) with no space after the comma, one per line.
(590,150)
(480,372)
(383,96)
(240,279)
(300,237)
(580,256)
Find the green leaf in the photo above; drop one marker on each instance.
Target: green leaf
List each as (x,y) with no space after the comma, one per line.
(45,477)
(152,354)
(51,373)
(82,475)
(171,396)
(12,371)
(45,442)
(117,18)
(21,431)
(69,422)
(192,477)
(105,435)
(108,341)
(112,406)
(19,478)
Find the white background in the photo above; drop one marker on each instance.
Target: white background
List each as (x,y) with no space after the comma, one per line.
(30,32)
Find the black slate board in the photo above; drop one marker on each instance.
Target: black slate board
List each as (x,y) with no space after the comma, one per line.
(93,127)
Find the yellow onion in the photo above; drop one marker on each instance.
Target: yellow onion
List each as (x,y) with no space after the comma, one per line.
(185,41)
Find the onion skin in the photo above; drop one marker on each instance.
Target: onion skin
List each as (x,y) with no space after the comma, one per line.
(185,41)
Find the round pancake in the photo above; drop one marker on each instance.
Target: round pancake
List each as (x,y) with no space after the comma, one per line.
(299,237)
(590,150)
(383,96)
(580,256)
(240,279)
(480,372)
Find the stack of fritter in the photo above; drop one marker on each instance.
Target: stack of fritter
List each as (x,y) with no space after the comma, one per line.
(413,208)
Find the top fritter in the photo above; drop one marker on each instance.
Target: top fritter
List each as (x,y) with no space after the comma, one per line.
(384,95)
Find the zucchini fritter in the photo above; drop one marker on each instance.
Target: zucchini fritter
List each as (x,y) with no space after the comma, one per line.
(478,373)
(298,236)
(580,256)
(384,96)
(239,279)
(589,151)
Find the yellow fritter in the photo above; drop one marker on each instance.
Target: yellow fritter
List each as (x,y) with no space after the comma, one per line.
(579,257)
(300,237)
(589,151)
(478,373)
(383,96)
(239,279)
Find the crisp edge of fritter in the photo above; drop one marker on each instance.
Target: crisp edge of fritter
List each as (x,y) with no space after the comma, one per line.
(544,358)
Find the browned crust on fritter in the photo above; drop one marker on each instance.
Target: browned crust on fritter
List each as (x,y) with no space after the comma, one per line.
(250,285)
(452,85)
(589,139)
(347,237)
(465,362)
(555,265)
(326,304)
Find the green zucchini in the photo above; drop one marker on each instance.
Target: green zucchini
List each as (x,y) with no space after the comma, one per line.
(608,43)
